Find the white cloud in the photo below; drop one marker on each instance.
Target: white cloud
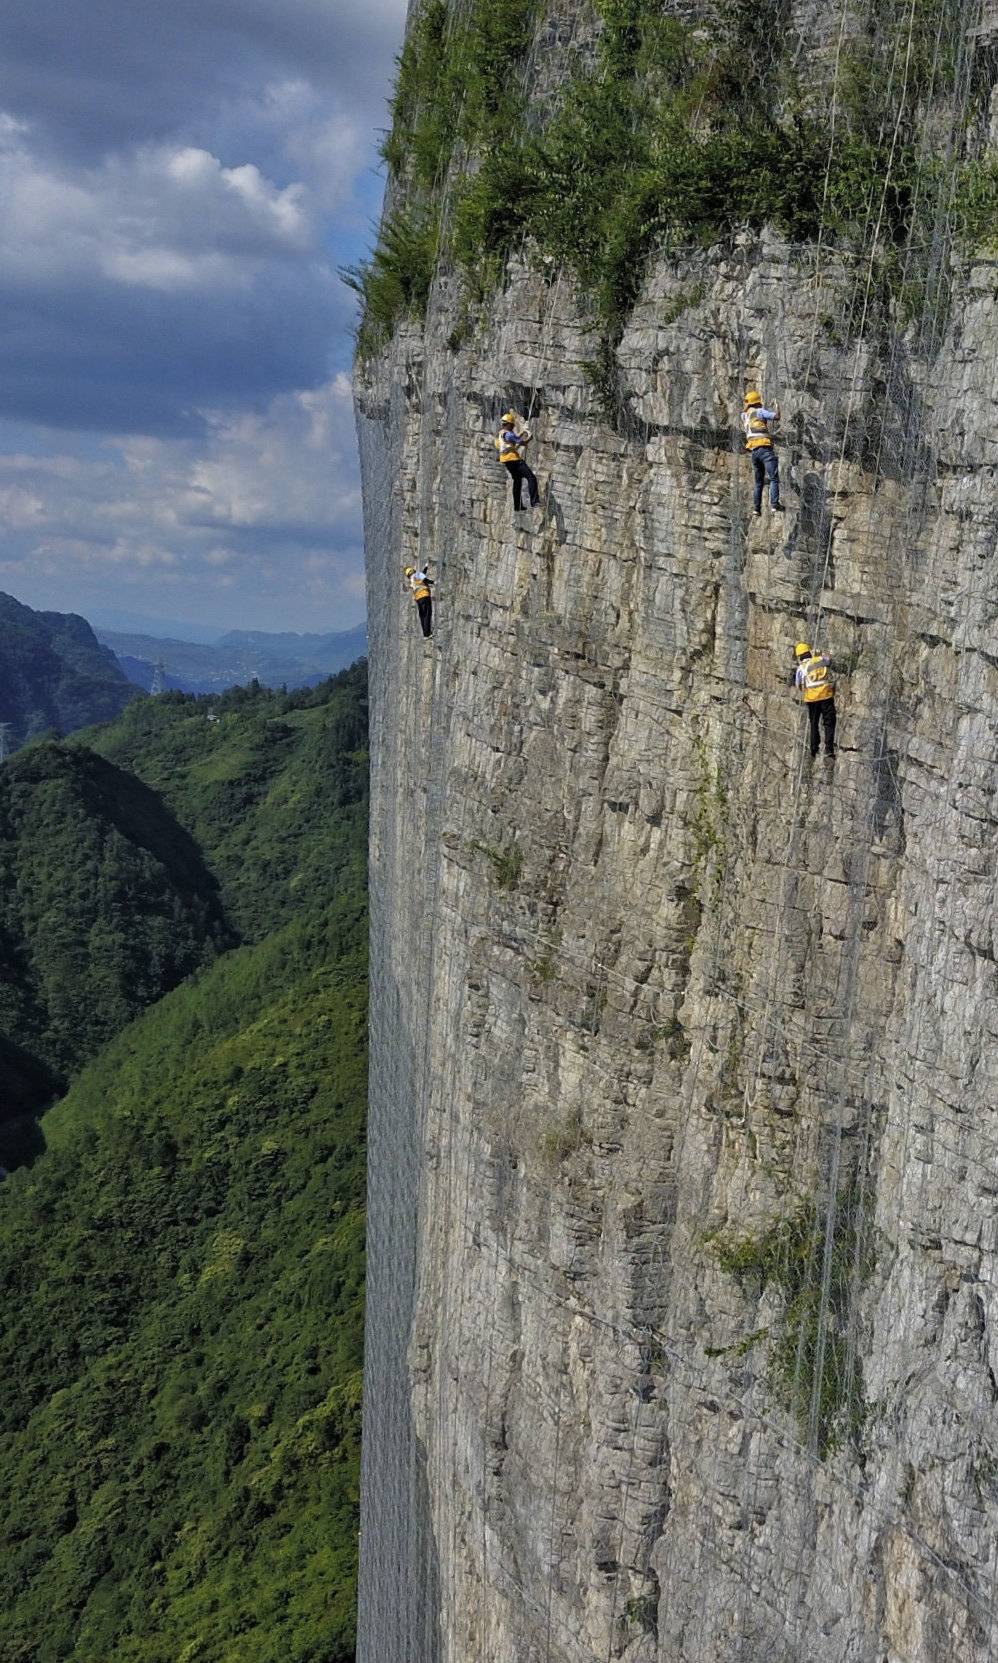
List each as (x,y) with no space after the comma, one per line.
(328,147)
(282,469)
(167,217)
(171,222)
(269,504)
(20,509)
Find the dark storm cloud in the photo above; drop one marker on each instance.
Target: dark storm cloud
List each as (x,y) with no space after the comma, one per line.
(131,360)
(95,75)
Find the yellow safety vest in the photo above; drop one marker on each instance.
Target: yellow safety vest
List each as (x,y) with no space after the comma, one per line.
(422,593)
(757,431)
(818,683)
(507,452)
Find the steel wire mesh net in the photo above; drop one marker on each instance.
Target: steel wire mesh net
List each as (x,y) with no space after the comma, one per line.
(811,184)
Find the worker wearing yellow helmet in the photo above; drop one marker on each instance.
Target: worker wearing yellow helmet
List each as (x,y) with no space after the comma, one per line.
(815,683)
(421,587)
(509,443)
(756,421)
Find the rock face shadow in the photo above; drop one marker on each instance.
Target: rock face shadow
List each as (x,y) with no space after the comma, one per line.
(813,531)
(556,514)
(888,807)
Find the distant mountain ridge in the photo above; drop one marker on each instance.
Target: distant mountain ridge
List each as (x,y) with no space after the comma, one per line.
(54,673)
(240,657)
(289,645)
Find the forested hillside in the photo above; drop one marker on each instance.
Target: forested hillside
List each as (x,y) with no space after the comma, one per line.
(105,904)
(54,673)
(274,792)
(179,1371)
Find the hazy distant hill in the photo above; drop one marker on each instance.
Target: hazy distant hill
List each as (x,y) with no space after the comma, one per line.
(300,648)
(54,673)
(141,671)
(142,623)
(241,656)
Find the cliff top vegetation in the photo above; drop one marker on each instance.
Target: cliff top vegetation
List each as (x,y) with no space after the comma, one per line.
(670,132)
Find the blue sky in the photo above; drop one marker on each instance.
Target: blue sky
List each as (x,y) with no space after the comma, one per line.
(178,186)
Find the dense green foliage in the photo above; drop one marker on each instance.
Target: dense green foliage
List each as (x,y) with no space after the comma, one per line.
(459,87)
(674,135)
(274,792)
(816,1264)
(459,81)
(105,904)
(54,674)
(180,1383)
(180,1365)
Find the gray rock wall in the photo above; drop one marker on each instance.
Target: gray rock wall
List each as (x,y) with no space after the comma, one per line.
(646,983)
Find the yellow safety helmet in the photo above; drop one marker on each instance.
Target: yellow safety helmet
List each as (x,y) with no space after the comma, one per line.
(802,650)
(409,570)
(510,416)
(753,398)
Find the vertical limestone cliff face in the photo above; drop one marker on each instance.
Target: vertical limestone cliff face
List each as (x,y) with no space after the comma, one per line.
(683,1333)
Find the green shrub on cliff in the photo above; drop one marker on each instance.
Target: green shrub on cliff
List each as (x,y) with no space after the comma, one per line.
(817,1264)
(459,80)
(459,85)
(670,135)
(395,282)
(427,98)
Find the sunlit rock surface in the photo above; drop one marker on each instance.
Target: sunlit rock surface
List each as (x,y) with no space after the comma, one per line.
(646,982)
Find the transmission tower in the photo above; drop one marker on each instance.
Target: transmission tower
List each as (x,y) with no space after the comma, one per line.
(5,745)
(159,678)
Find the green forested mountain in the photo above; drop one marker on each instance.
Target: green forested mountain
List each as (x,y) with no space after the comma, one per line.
(179,1365)
(105,904)
(274,792)
(54,673)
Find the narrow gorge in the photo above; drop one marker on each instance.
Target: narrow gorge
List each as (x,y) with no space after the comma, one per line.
(682,1336)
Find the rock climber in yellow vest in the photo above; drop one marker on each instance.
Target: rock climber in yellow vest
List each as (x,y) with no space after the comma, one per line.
(509,444)
(421,585)
(759,444)
(814,682)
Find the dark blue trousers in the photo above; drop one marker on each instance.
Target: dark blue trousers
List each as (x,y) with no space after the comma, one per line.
(766,465)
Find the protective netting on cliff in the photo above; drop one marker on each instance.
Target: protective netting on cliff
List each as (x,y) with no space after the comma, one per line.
(905,89)
(399,1595)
